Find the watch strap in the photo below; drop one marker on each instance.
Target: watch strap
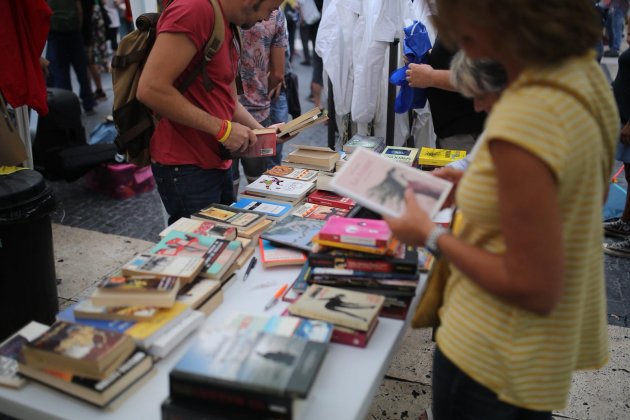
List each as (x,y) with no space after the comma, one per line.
(431,243)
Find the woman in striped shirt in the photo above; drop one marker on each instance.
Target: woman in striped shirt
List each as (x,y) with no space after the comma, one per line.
(524,306)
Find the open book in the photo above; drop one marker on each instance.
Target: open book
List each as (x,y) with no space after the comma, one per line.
(308,119)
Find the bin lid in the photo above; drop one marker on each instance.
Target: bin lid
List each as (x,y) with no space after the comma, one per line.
(19,187)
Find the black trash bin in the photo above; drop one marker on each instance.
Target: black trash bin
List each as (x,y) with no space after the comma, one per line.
(28,288)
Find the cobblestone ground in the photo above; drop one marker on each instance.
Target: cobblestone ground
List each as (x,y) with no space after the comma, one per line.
(141,216)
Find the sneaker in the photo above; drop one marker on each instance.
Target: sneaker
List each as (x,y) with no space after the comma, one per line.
(619,248)
(611,53)
(99,95)
(616,228)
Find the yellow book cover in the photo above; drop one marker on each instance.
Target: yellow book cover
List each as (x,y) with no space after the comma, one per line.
(144,329)
(439,157)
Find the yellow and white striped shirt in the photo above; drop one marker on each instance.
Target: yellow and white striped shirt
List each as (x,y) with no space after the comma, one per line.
(528,359)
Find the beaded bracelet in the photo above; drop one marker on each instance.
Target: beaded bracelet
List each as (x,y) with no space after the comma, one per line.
(224,132)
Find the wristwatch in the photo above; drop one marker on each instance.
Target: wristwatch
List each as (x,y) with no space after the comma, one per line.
(431,243)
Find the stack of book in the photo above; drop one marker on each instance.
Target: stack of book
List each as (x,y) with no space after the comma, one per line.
(331,199)
(248,223)
(354,315)
(276,188)
(361,255)
(318,211)
(244,373)
(273,255)
(299,174)
(312,157)
(89,363)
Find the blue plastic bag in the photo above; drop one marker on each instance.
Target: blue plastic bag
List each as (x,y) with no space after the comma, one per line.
(104,133)
(416,45)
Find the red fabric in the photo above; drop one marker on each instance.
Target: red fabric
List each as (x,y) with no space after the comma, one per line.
(23,31)
(176,144)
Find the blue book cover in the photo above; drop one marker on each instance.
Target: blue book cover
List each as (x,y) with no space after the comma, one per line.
(269,208)
(103,324)
(313,330)
(294,231)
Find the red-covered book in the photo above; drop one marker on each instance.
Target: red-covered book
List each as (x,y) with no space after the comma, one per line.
(264,147)
(331,199)
(352,337)
(364,232)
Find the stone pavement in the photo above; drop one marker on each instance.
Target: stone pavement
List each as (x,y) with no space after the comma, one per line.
(93,233)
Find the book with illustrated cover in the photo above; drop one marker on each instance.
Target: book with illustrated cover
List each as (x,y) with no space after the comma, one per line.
(265,146)
(229,216)
(379,184)
(98,392)
(283,187)
(201,227)
(218,254)
(138,284)
(82,350)
(327,198)
(284,325)
(272,209)
(338,306)
(88,310)
(10,353)
(184,268)
(405,155)
(308,119)
(245,370)
(375,144)
(117,291)
(366,232)
(293,231)
(318,211)
(292,173)
(439,157)
(273,256)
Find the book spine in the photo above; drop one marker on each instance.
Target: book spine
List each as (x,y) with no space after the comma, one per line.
(187,389)
(347,205)
(338,272)
(350,338)
(361,264)
(363,284)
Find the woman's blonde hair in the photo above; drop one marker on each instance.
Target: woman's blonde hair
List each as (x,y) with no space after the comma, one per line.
(533,32)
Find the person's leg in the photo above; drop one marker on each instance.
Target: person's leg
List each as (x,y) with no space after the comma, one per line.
(112,37)
(186,189)
(59,56)
(305,36)
(79,64)
(291,27)
(617,29)
(456,396)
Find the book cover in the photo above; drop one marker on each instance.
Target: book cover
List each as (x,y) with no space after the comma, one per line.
(328,198)
(366,232)
(293,231)
(97,392)
(270,208)
(375,144)
(201,227)
(10,352)
(184,268)
(147,331)
(262,363)
(352,337)
(196,293)
(273,256)
(265,146)
(284,187)
(338,306)
(304,121)
(405,155)
(379,184)
(226,215)
(299,174)
(439,157)
(318,211)
(299,286)
(87,309)
(323,244)
(139,284)
(404,260)
(120,326)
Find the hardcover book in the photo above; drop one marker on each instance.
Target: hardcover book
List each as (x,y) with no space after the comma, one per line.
(270,208)
(318,211)
(283,187)
(292,173)
(83,350)
(201,227)
(184,268)
(379,184)
(218,254)
(293,231)
(404,155)
(338,306)
(327,198)
(229,216)
(97,392)
(375,144)
(265,146)
(323,158)
(264,368)
(10,353)
(366,232)
(273,256)
(439,157)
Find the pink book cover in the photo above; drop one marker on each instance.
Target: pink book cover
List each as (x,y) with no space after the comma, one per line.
(366,232)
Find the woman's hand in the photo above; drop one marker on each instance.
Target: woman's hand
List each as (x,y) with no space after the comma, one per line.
(414,225)
(450,174)
(420,75)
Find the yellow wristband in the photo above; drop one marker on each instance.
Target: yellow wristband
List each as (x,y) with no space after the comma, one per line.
(227,132)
